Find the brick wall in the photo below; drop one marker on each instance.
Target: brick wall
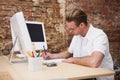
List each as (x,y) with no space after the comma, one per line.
(48,11)
(101,13)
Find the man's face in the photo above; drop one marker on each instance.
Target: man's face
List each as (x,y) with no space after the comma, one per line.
(72,28)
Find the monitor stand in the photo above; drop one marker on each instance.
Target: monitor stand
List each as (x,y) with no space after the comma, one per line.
(21,56)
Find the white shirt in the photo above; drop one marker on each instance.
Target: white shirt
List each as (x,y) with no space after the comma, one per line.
(95,40)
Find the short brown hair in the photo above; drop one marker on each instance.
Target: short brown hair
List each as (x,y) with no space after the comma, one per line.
(76,15)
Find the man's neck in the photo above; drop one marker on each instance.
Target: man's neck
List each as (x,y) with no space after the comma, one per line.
(86,28)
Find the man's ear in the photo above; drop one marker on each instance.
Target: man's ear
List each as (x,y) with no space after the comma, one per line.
(81,25)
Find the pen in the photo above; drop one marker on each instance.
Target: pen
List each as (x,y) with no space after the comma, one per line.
(47,58)
(34,50)
(44,50)
(29,53)
(38,55)
(33,54)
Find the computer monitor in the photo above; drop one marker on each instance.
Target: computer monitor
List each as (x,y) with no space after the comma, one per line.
(37,34)
(20,35)
(27,34)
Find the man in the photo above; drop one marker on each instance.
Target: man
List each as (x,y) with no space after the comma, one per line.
(89,46)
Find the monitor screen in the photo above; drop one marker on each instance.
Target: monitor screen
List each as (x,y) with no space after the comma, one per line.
(37,34)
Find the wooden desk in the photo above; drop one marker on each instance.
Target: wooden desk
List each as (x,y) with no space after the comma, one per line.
(63,71)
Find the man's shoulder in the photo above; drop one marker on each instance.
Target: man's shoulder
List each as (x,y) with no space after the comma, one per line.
(97,31)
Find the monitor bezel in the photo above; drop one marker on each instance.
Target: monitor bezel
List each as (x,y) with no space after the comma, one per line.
(39,45)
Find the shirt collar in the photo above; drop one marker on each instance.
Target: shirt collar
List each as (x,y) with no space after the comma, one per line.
(88,35)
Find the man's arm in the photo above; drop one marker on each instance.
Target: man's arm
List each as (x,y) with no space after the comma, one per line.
(64,54)
(91,61)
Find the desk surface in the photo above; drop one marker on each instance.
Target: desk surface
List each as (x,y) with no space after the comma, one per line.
(19,71)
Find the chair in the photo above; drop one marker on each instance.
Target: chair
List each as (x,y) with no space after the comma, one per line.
(117,69)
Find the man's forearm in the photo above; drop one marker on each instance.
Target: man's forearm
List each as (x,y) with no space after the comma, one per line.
(64,54)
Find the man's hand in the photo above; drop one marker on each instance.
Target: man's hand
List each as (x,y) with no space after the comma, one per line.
(46,56)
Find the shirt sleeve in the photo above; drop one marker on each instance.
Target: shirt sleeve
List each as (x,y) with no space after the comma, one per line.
(72,45)
(101,43)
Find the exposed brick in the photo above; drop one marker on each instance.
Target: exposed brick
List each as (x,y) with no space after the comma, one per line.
(42,11)
(103,14)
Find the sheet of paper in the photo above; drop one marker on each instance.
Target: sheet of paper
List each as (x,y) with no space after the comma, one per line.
(53,60)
